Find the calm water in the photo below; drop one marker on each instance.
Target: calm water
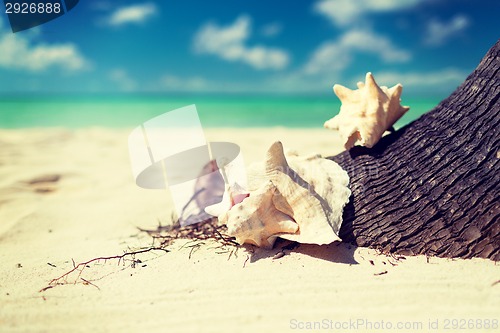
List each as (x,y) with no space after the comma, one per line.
(229,111)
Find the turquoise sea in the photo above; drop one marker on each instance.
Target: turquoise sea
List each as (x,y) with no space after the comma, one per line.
(214,111)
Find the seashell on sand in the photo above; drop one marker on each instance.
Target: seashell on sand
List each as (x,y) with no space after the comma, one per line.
(367,112)
(307,192)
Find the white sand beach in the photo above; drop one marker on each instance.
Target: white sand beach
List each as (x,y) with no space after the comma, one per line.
(87,205)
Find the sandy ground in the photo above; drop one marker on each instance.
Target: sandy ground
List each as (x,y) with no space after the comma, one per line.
(94,209)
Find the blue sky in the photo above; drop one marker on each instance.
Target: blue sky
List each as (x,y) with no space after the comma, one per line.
(229,46)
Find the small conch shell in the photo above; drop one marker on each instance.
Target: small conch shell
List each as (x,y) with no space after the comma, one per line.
(305,193)
(367,112)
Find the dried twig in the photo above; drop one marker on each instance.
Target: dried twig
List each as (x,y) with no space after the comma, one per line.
(199,232)
(88,282)
(245,263)
(81,266)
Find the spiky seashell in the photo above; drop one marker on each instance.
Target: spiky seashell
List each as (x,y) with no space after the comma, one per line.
(367,112)
(311,191)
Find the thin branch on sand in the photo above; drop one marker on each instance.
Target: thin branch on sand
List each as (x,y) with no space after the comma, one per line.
(63,279)
(208,230)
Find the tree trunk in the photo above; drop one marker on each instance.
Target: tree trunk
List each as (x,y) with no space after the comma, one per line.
(432,187)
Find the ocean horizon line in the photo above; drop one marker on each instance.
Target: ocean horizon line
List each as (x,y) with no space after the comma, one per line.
(213,111)
(184,94)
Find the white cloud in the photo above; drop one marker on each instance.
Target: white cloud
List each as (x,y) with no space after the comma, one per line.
(329,57)
(132,14)
(345,12)
(335,56)
(372,43)
(122,79)
(445,77)
(17,52)
(228,43)
(271,30)
(439,32)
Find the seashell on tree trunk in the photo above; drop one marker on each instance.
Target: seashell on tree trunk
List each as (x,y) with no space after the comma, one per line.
(367,112)
(433,186)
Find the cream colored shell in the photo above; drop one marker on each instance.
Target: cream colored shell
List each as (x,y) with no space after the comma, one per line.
(367,112)
(301,199)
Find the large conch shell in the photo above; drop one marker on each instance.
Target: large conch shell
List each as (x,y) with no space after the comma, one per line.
(367,112)
(301,199)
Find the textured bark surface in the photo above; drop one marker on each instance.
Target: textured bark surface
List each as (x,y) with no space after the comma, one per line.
(433,186)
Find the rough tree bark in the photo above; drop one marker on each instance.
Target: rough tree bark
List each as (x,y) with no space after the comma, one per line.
(432,187)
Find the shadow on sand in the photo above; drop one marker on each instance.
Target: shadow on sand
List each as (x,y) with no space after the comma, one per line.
(336,252)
